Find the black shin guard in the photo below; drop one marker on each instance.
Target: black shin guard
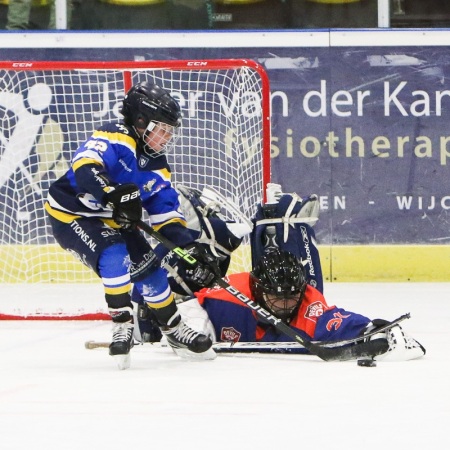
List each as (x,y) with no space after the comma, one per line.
(120,307)
(164,314)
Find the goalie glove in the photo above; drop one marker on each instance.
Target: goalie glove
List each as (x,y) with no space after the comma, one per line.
(401,346)
(126,204)
(205,272)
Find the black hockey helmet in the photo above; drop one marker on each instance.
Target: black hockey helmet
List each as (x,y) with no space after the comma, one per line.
(278,283)
(146,104)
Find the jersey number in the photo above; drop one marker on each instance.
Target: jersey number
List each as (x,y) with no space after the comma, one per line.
(99,146)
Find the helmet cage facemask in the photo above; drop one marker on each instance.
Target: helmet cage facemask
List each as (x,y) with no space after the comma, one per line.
(146,103)
(166,147)
(282,303)
(278,283)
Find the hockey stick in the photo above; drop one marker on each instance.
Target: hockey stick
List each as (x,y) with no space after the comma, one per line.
(276,347)
(220,347)
(258,347)
(269,347)
(287,346)
(90,345)
(365,349)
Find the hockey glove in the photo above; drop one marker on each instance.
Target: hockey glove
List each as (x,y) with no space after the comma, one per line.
(126,203)
(401,346)
(206,271)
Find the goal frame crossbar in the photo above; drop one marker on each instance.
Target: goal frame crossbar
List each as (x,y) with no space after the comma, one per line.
(204,64)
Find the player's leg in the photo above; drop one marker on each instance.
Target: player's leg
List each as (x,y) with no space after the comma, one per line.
(159,298)
(151,282)
(104,251)
(114,270)
(146,327)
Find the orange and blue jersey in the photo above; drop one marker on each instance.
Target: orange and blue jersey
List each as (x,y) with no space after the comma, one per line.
(315,320)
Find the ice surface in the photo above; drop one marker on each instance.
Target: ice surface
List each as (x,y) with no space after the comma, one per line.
(56,395)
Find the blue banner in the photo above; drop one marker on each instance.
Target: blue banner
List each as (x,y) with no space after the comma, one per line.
(365,128)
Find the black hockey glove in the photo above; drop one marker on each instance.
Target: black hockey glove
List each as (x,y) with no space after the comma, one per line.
(206,271)
(126,203)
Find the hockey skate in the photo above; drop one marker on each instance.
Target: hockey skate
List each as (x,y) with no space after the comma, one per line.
(186,342)
(121,344)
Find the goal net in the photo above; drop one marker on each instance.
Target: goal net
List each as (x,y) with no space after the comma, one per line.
(48,108)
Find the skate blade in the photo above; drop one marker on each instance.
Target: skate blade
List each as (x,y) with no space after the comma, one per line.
(192,356)
(122,361)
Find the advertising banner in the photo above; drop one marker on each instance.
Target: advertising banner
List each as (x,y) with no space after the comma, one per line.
(364,128)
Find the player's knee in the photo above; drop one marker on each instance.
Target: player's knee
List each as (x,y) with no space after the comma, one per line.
(114,260)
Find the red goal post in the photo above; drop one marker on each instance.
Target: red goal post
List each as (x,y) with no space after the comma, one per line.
(48,108)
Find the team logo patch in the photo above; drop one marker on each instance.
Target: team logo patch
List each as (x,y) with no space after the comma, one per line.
(143,161)
(148,186)
(304,234)
(314,310)
(229,334)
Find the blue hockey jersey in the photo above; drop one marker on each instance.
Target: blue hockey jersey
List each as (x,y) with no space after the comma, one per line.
(108,158)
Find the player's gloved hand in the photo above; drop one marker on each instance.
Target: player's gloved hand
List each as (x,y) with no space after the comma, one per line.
(126,203)
(206,271)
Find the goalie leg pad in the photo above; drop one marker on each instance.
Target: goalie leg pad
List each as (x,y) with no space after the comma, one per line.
(197,318)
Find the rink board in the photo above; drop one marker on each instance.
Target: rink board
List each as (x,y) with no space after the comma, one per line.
(344,263)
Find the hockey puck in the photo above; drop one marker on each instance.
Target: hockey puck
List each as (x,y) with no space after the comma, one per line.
(367,363)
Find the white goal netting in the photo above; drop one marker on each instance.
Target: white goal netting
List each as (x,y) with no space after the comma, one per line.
(48,109)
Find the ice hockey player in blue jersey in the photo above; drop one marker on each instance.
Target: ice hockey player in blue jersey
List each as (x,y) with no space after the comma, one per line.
(95,207)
